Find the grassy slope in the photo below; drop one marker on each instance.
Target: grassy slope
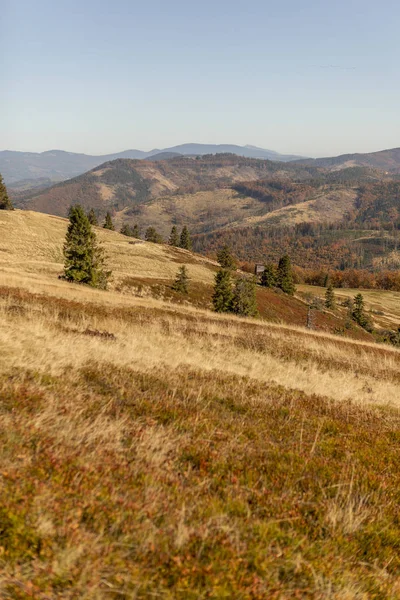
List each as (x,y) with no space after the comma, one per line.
(383,305)
(151,449)
(32,242)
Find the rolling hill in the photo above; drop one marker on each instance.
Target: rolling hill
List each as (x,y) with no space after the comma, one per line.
(152,448)
(58,165)
(32,243)
(128,184)
(384,160)
(346,219)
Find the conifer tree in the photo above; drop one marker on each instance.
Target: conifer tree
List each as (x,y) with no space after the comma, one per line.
(222,296)
(285,276)
(268,276)
(181,282)
(185,240)
(358,313)
(92,217)
(174,237)
(108,224)
(244,300)
(330,300)
(5,202)
(152,235)
(126,230)
(225,258)
(84,260)
(136,231)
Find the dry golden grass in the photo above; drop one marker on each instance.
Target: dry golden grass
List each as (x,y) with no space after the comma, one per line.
(32,243)
(151,449)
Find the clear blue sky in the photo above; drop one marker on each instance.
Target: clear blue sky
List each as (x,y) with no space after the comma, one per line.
(311,77)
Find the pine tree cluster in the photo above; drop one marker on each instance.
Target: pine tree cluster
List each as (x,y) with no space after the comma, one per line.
(108,223)
(279,277)
(238,298)
(131,231)
(358,313)
(180,241)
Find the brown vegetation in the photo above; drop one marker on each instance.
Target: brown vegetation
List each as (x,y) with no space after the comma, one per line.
(152,449)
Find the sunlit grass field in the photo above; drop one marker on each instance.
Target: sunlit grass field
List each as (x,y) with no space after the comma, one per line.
(154,449)
(384,305)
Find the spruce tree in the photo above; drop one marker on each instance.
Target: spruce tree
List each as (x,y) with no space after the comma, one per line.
(359,315)
(108,224)
(244,300)
(152,235)
(174,237)
(185,240)
(285,276)
(268,276)
(222,296)
(181,282)
(126,230)
(330,300)
(5,202)
(84,260)
(92,217)
(225,258)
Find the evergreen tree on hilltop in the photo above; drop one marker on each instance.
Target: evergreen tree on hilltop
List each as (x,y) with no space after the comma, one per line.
(5,202)
(285,276)
(330,299)
(185,240)
(269,276)
(358,313)
(181,282)
(152,235)
(126,230)
(84,260)
(222,296)
(136,231)
(174,237)
(108,224)
(92,217)
(244,300)
(225,258)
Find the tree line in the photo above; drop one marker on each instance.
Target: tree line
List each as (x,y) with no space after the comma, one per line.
(182,240)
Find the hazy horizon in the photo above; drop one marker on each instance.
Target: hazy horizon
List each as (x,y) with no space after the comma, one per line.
(309,79)
(112,152)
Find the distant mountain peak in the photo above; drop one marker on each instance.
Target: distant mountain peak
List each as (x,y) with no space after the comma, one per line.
(59,165)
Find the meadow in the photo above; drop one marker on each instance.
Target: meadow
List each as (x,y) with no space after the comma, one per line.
(383,305)
(154,449)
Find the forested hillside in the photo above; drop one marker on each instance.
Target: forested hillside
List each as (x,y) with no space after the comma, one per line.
(344,219)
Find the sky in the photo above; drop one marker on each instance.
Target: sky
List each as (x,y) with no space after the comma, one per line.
(309,77)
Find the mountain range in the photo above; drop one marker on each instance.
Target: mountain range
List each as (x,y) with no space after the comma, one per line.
(58,165)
